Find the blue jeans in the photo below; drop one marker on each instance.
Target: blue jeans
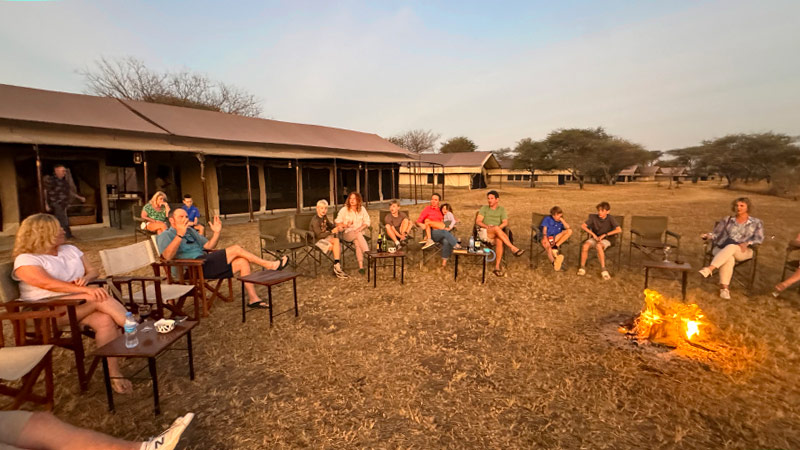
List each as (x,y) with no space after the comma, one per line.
(447,240)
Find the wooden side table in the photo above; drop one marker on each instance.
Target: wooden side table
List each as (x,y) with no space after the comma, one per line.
(463,252)
(269,278)
(372,261)
(151,345)
(683,267)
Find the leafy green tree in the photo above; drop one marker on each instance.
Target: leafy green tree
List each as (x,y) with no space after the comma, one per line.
(532,155)
(750,157)
(460,144)
(615,154)
(574,149)
(504,154)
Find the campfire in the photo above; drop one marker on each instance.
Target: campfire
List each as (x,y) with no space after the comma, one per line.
(666,322)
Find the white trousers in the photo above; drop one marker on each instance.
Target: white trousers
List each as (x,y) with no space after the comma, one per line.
(725,259)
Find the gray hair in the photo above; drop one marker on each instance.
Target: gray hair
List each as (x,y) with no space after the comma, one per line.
(322,203)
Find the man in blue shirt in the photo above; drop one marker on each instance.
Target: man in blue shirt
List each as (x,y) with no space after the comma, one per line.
(555,231)
(180,241)
(192,213)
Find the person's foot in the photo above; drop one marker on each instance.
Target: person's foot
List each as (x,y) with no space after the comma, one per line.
(361,271)
(258,304)
(423,241)
(284,261)
(519,252)
(168,440)
(458,247)
(705,272)
(122,385)
(725,294)
(558,262)
(498,272)
(428,243)
(337,270)
(581,272)
(606,276)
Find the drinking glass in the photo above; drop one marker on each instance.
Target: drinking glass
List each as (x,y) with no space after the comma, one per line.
(666,253)
(144,312)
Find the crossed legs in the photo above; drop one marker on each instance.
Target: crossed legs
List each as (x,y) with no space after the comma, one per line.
(560,238)
(240,260)
(500,240)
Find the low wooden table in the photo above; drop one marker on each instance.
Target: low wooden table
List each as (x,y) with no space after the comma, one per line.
(464,252)
(269,278)
(372,261)
(151,345)
(683,267)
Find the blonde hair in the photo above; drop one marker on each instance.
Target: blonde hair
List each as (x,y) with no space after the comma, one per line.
(37,234)
(155,196)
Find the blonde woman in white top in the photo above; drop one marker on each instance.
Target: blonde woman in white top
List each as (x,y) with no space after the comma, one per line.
(354,219)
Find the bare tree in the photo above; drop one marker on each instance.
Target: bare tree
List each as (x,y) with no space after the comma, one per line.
(417,141)
(129,78)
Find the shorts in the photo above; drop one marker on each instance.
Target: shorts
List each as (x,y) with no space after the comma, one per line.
(606,243)
(324,244)
(11,425)
(215,265)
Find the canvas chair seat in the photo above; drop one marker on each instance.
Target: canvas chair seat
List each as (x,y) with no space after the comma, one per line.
(16,362)
(168,292)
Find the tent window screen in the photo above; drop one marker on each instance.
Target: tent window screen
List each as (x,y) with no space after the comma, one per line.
(232,185)
(281,187)
(386,183)
(316,185)
(374,185)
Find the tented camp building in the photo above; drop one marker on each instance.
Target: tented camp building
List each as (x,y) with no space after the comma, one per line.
(119,152)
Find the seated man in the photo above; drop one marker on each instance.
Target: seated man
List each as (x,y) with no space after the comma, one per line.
(180,241)
(555,231)
(325,236)
(397,224)
(43,431)
(431,214)
(601,228)
(493,220)
(192,213)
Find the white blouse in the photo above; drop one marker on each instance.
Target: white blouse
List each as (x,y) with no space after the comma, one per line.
(356,219)
(66,266)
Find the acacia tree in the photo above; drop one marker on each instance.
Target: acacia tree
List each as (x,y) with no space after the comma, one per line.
(417,141)
(503,154)
(574,149)
(129,78)
(460,144)
(532,155)
(615,154)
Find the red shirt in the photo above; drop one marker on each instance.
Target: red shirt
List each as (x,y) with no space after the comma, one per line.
(430,212)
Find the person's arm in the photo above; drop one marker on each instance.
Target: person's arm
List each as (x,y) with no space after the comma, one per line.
(565,224)
(38,277)
(365,220)
(479,221)
(719,230)
(617,230)
(503,224)
(180,231)
(422,216)
(796,241)
(758,234)
(216,228)
(146,216)
(585,227)
(89,273)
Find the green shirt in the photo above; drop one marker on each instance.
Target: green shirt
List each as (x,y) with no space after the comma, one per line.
(493,216)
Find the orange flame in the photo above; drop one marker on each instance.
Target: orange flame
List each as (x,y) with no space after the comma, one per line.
(667,321)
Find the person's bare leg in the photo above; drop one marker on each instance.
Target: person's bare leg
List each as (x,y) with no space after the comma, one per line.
(242,267)
(427,230)
(361,247)
(405,228)
(336,248)
(783,285)
(236,251)
(45,431)
(498,245)
(105,331)
(549,250)
(562,237)
(585,252)
(393,235)
(601,255)
(500,234)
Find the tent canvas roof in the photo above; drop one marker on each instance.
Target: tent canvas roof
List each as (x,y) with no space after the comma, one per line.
(465,159)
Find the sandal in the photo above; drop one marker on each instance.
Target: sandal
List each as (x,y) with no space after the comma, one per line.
(606,276)
(258,305)
(284,262)
(519,252)
(498,272)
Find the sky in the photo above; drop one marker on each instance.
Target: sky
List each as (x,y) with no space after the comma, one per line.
(665,74)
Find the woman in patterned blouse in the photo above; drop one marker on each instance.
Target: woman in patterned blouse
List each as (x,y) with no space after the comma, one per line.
(732,238)
(155,213)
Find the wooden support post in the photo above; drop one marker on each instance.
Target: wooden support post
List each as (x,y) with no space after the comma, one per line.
(40,180)
(394,185)
(249,190)
(366,182)
(144,166)
(335,185)
(298,175)
(202,159)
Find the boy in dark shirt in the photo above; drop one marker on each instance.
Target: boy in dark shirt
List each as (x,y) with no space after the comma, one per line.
(397,224)
(602,229)
(325,235)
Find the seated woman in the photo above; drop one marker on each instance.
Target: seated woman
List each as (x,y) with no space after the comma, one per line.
(45,267)
(353,219)
(155,213)
(793,278)
(732,238)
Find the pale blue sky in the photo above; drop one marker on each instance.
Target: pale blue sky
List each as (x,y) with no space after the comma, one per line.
(665,74)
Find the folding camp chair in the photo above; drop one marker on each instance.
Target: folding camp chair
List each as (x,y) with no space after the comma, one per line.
(536,239)
(302,233)
(274,237)
(650,235)
(747,267)
(69,337)
(190,272)
(792,261)
(119,262)
(27,362)
(348,246)
(412,234)
(615,243)
(490,243)
(139,223)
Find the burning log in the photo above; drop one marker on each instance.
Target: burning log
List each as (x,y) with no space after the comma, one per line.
(666,322)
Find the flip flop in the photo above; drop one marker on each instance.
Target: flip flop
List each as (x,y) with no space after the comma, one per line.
(284,262)
(258,305)
(519,252)
(499,273)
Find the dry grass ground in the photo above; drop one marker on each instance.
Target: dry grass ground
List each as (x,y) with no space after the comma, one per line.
(532,360)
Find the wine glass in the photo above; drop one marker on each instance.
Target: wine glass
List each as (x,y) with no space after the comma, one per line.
(144,312)
(667,249)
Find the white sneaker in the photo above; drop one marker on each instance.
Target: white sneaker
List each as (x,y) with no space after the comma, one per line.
(337,270)
(581,272)
(558,262)
(168,440)
(428,243)
(705,272)
(606,276)
(725,294)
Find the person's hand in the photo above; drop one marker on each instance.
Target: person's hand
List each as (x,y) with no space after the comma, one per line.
(83,199)
(80,281)
(705,236)
(216,225)
(47,208)
(166,208)
(181,225)
(743,246)
(96,294)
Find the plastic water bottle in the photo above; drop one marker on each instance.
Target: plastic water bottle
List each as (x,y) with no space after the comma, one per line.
(472,244)
(131,340)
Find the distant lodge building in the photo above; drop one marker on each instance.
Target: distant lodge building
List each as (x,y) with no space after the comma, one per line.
(659,174)
(473,170)
(119,152)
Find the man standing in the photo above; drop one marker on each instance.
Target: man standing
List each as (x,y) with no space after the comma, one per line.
(493,220)
(60,192)
(431,214)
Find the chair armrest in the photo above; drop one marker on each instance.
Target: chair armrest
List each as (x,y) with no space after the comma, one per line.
(51,302)
(674,234)
(303,234)
(268,237)
(181,262)
(636,232)
(137,278)
(24,315)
